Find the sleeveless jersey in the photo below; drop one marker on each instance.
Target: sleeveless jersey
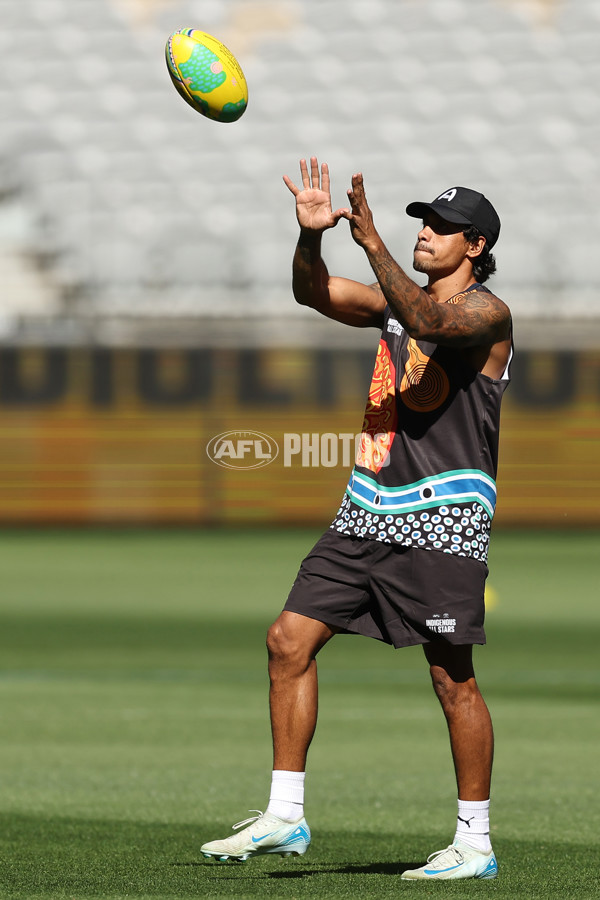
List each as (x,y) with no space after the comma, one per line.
(425,472)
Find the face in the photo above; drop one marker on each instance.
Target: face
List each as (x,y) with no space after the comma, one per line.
(441,246)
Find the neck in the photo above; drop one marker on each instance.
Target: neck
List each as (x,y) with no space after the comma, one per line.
(441,289)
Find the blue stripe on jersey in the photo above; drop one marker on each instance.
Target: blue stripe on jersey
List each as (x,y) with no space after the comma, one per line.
(457,486)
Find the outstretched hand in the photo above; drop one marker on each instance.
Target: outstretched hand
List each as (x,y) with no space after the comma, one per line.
(360,216)
(313,199)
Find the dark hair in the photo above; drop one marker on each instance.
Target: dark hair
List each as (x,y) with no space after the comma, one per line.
(484,265)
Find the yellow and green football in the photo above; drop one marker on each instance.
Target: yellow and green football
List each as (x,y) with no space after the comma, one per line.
(207,75)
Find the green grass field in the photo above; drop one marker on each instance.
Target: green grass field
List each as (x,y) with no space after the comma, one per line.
(134,724)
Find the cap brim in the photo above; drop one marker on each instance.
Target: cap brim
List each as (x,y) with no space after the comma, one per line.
(417,211)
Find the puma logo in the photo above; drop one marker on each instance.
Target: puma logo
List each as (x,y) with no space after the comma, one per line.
(466,821)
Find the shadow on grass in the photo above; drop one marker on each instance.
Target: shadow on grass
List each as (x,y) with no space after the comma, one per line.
(367,869)
(85,859)
(54,857)
(396,868)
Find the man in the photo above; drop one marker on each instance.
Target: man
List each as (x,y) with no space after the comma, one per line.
(405,559)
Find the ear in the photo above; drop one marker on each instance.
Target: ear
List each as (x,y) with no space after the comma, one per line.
(476,247)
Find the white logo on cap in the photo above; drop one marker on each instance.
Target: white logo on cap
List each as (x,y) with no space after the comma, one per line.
(449,195)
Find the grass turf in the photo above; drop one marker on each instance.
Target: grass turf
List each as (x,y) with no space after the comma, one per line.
(135,726)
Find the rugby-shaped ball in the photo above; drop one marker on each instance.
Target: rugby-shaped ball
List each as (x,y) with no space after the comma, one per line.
(207,75)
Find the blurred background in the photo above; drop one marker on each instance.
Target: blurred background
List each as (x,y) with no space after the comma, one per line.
(145,271)
(145,252)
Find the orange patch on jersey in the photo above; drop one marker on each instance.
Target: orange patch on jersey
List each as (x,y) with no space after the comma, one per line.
(457,297)
(381,417)
(425,385)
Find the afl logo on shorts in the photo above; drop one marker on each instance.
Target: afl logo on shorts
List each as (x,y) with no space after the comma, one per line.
(242,449)
(424,385)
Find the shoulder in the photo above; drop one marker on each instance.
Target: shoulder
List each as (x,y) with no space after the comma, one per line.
(475,318)
(480,300)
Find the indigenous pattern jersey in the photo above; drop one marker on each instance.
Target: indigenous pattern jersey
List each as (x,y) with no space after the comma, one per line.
(425,472)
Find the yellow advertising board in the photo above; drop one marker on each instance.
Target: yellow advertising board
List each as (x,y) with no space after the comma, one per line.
(215,436)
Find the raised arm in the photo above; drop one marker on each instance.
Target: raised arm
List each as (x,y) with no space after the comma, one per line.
(478,319)
(342,299)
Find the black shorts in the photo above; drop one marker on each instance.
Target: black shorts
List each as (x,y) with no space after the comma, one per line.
(400,595)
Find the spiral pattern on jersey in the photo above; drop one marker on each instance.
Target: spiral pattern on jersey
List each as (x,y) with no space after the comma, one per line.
(424,385)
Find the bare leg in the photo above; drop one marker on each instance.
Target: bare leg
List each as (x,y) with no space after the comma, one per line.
(468,718)
(293,642)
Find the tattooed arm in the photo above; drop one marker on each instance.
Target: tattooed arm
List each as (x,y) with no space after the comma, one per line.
(341,299)
(476,319)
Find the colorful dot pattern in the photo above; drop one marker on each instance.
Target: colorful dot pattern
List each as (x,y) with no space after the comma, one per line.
(461,529)
(197,72)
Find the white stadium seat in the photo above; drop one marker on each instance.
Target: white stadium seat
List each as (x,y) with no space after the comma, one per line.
(416,95)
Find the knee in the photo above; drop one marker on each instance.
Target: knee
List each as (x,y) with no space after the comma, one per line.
(276,641)
(443,685)
(450,692)
(280,644)
(286,647)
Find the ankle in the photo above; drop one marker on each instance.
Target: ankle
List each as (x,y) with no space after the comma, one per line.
(287,795)
(473,824)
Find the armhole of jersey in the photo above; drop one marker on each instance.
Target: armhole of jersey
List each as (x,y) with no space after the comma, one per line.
(506,374)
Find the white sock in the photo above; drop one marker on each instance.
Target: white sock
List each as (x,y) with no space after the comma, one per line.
(473,824)
(287,795)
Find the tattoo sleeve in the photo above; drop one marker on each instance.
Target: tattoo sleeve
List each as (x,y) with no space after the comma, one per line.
(468,320)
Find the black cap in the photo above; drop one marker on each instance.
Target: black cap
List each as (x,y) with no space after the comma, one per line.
(464,207)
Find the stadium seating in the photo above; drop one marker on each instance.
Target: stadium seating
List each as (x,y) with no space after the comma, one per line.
(137,207)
